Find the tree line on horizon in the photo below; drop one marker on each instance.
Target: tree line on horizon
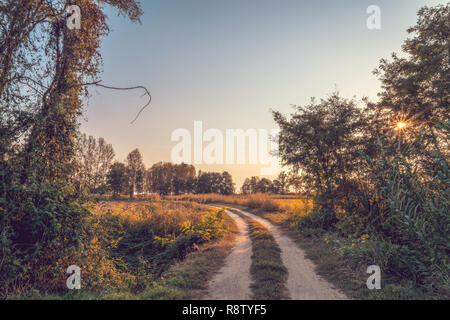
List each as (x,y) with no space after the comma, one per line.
(98,173)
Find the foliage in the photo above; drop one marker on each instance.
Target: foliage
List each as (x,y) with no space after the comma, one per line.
(388,182)
(117,179)
(134,173)
(170,231)
(168,178)
(256,185)
(417,85)
(43,69)
(93,160)
(322,141)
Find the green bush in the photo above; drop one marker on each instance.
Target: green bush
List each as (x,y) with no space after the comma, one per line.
(317,222)
(41,225)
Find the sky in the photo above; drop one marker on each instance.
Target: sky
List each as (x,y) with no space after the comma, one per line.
(227,63)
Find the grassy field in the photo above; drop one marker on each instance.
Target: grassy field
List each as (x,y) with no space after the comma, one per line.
(148,250)
(265,202)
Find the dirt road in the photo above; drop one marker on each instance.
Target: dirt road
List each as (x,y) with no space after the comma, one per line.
(303,283)
(233,281)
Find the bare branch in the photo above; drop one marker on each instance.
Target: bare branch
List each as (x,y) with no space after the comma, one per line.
(147,93)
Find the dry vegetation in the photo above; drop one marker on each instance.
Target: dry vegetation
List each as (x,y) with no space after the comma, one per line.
(262,201)
(151,250)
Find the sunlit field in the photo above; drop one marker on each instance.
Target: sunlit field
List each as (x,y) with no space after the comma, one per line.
(130,246)
(266,202)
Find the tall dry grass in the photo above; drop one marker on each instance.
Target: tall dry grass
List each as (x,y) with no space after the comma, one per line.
(265,202)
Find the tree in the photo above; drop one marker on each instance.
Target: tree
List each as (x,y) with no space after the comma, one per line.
(140,180)
(44,67)
(105,157)
(281,183)
(191,185)
(161,177)
(264,186)
(250,185)
(246,188)
(182,177)
(296,182)
(207,182)
(323,140)
(416,87)
(134,169)
(215,182)
(227,185)
(167,178)
(117,178)
(93,162)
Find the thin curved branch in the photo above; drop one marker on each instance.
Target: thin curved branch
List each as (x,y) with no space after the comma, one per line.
(96,83)
(147,93)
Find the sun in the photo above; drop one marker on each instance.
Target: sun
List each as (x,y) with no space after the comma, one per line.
(401,125)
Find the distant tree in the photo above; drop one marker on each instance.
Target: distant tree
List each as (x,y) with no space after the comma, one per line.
(250,185)
(214,182)
(148,185)
(245,188)
(117,178)
(161,177)
(167,178)
(105,157)
(264,186)
(205,182)
(227,185)
(191,185)
(135,169)
(93,162)
(281,183)
(140,180)
(182,177)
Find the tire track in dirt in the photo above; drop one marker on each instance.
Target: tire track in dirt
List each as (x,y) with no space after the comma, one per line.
(303,283)
(233,280)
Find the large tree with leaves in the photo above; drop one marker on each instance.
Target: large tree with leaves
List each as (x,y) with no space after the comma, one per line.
(322,141)
(416,86)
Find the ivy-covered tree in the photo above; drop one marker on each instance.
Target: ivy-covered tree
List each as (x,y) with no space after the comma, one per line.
(44,67)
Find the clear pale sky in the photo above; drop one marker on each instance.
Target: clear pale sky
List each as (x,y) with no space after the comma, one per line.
(228,62)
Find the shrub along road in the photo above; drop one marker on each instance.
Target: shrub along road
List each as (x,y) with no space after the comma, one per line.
(303,283)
